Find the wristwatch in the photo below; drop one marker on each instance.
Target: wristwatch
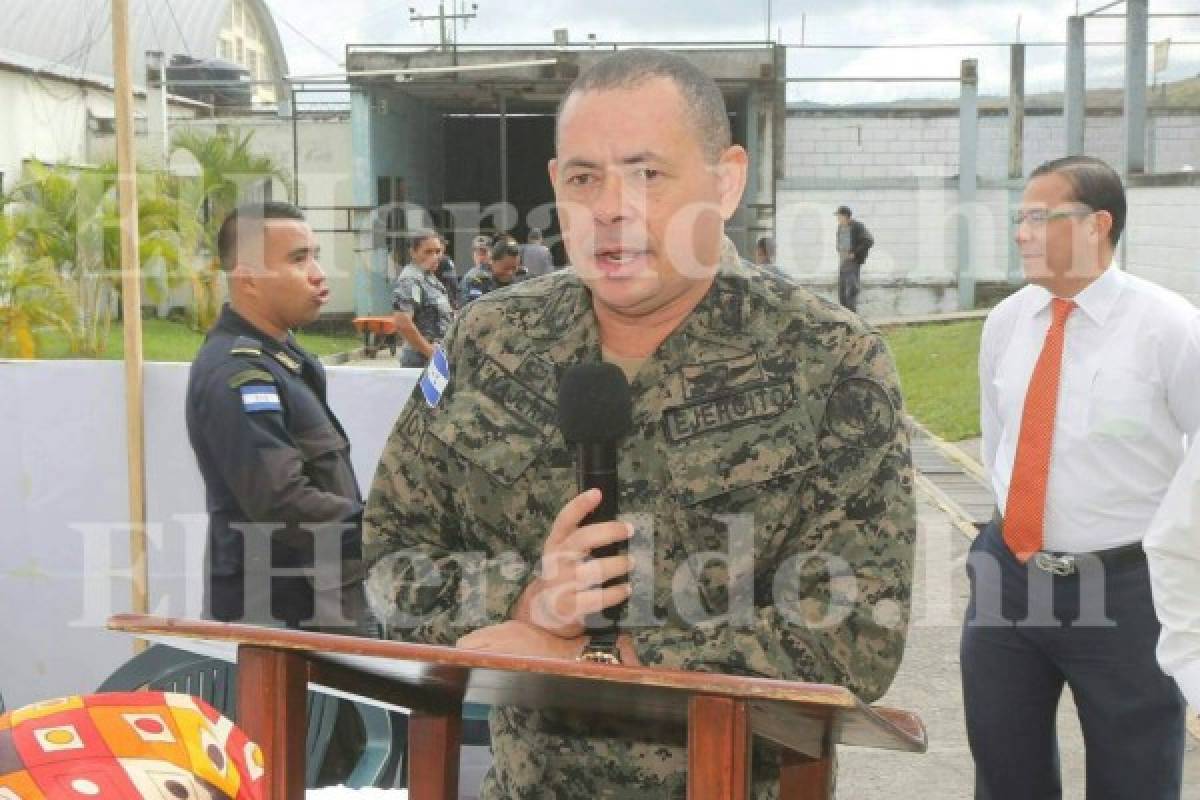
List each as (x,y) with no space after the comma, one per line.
(601,648)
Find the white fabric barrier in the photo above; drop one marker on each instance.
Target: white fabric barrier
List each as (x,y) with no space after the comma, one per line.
(64,545)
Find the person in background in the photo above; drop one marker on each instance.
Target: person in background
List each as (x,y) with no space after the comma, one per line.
(1088,380)
(500,272)
(854,242)
(447,273)
(280,488)
(535,256)
(420,306)
(270,450)
(481,251)
(764,256)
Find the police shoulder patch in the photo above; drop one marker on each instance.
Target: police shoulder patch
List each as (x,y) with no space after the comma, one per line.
(257,398)
(245,346)
(860,412)
(250,375)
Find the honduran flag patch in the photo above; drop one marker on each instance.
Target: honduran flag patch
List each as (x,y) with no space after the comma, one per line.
(260,398)
(436,377)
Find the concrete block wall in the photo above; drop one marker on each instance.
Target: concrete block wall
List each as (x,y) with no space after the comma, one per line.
(1161,235)
(1176,143)
(915,231)
(856,147)
(826,146)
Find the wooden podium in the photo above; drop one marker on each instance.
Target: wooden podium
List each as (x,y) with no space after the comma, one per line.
(722,713)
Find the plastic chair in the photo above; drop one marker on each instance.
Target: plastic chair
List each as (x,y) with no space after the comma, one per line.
(166,668)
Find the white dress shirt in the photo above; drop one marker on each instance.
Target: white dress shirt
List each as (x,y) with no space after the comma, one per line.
(1173,547)
(1128,396)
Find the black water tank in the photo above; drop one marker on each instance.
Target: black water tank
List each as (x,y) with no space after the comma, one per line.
(220,83)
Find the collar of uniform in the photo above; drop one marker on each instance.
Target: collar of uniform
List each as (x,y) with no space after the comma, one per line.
(1096,301)
(415,271)
(570,322)
(568,325)
(723,307)
(235,323)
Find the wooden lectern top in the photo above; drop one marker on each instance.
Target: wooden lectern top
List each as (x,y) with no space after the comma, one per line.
(435,679)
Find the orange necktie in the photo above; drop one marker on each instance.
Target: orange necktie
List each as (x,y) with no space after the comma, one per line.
(1025,513)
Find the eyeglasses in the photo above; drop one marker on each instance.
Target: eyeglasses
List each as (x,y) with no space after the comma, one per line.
(1043,216)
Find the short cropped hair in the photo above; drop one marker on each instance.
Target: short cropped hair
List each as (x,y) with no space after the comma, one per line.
(1095,184)
(628,69)
(503,248)
(422,235)
(246,215)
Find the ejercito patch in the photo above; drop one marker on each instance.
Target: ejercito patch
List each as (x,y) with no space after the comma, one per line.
(728,410)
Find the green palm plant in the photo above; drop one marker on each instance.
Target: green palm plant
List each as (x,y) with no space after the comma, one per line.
(229,169)
(33,300)
(71,219)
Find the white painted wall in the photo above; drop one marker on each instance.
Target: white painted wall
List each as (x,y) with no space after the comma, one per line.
(63,490)
(46,119)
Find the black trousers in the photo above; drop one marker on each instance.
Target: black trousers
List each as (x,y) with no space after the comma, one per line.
(849,285)
(1027,634)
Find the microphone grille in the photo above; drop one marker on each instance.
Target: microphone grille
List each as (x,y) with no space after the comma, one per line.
(594,404)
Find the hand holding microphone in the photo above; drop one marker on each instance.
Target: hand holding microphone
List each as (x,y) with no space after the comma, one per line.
(584,559)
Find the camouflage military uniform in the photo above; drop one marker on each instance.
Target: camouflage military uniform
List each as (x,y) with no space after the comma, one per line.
(766,401)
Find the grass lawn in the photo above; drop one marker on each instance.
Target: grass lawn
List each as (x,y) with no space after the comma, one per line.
(174,341)
(939,375)
(937,365)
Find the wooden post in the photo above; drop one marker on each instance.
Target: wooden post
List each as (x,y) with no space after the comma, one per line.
(718,749)
(804,778)
(272,686)
(131,306)
(434,744)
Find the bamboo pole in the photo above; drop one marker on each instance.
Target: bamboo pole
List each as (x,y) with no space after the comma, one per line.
(131,306)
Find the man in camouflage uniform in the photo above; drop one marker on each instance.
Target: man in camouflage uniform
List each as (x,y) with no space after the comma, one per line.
(768,469)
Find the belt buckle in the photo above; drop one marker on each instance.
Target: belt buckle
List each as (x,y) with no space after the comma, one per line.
(1056,565)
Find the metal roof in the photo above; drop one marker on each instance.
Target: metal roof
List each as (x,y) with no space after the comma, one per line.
(74,37)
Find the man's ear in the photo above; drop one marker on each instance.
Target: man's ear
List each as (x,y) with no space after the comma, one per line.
(1103,223)
(552,168)
(732,167)
(242,277)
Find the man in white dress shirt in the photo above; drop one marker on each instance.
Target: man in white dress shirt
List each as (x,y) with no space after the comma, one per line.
(1089,381)
(1173,548)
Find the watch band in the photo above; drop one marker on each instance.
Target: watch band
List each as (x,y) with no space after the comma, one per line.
(602,648)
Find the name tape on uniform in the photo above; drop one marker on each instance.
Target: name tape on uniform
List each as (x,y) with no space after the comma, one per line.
(436,377)
(260,398)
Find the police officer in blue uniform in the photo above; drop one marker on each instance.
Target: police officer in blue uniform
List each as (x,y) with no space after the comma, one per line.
(421,305)
(502,270)
(281,491)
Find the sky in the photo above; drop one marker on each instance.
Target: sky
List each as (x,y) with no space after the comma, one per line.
(315,33)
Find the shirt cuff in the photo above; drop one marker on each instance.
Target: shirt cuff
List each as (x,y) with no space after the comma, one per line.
(1188,679)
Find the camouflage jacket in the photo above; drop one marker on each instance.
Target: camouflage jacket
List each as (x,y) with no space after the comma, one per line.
(767,428)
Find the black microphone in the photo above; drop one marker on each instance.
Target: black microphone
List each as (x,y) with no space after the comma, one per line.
(594,411)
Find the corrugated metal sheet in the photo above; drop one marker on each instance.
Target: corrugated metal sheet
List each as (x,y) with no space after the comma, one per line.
(75,36)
